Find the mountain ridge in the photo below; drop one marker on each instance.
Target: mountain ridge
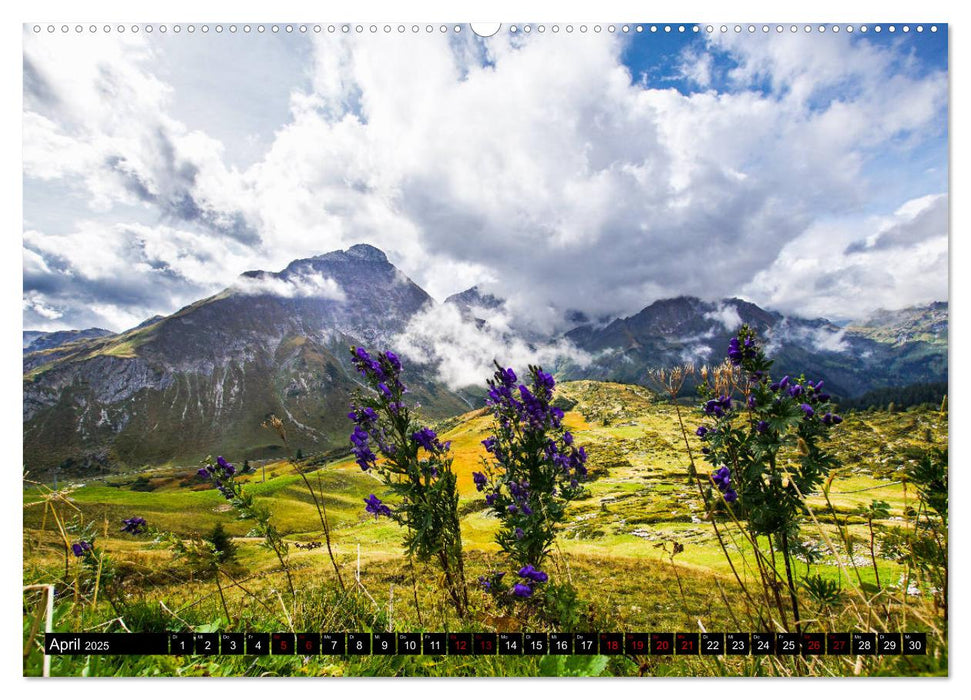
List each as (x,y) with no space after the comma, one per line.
(205,377)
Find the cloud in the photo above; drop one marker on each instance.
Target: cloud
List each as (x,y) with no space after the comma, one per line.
(33,302)
(115,276)
(535,167)
(829,340)
(306,284)
(95,113)
(850,268)
(696,67)
(548,171)
(696,354)
(915,221)
(463,351)
(824,338)
(727,315)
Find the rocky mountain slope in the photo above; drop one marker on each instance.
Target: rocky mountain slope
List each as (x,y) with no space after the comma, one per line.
(203,379)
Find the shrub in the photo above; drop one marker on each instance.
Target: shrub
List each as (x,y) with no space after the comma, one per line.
(764,439)
(142,483)
(535,470)
(222,475)
(223,545)
(923,547)
(416,467)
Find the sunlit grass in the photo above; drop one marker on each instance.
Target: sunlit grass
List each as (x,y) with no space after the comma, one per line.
(615,545)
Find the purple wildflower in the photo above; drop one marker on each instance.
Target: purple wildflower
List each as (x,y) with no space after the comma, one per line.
(491,581)
(506,377)
(580,455)
(718,407)
(807,409)
(134,525)
(739,352)
(522,590)
(533,574)
(365,417)
(831,419)
(480,480)
(362,450)
(544,381)
(79,548)
(427,438)
(374,505)
(734,351)
(722,478)
(393,360)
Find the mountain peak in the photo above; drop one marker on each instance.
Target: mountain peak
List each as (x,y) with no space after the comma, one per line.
(367,252)
(360,251)
(473,296)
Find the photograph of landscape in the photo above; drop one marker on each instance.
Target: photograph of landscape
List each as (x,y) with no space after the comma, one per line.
(542,353)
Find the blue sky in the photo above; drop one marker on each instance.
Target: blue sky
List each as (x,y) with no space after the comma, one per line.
(594,172)
(657,53)
(655,58)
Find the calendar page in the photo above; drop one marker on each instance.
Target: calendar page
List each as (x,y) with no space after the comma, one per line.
(521,349)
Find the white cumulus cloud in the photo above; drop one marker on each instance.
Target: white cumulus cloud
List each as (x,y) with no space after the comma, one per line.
(463,351)
(727,315)
(311,284)
(537,167)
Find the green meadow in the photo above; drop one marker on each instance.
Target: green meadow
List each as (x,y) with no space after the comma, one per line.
(639,548)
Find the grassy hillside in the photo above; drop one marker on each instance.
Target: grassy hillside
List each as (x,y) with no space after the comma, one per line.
(617,546)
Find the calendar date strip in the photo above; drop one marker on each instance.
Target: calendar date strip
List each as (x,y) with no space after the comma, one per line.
(487,643)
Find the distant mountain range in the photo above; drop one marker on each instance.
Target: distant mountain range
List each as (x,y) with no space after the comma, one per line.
(202,380)
(890,349)
(41,340)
